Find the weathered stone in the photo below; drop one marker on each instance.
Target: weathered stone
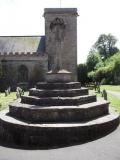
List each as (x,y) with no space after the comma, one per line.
(20,51)
(58,101)
(64,53)
(60,114)
(58,92)
(47,135)
(57,114)
(53,86)
(59,76)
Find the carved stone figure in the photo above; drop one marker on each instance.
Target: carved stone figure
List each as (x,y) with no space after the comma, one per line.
(57,27)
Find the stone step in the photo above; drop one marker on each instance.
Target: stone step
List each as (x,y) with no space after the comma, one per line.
(50,86)
(58,101)
(13,131)
(58,114)
(56,93)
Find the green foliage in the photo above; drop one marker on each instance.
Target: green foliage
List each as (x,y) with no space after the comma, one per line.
(99,64)
(115,59)
(106,45)
(103,81)
(82,73)
(114,101)
(91,76)
(92,60)
(114,63)
(5,101)
(106,74)
(103,61)
(111,87)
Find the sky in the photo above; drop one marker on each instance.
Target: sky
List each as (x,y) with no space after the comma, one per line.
(25,17)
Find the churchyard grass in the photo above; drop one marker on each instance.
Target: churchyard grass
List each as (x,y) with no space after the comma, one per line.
(110,87)
(5,100)
(114,102)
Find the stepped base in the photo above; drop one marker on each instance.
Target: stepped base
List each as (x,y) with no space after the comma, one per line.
(54,135)
(48,86)
(57,114)
(58,92)
(58,101)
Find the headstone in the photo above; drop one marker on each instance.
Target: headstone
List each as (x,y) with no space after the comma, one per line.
(6,93)
(104,94)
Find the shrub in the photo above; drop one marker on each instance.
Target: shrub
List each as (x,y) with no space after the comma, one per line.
(82,73)
(91,76)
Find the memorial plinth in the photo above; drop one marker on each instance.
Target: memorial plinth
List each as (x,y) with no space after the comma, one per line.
(59,76)
(58,112)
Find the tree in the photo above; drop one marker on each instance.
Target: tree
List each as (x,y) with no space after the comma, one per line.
(82,74)
(106,45)
(109,73)
(92,60)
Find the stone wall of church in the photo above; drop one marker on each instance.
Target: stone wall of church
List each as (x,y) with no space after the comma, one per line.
(29,69)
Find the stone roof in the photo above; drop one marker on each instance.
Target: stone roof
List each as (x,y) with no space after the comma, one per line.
(22,44)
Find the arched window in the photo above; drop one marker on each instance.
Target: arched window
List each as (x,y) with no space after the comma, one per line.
(22,74)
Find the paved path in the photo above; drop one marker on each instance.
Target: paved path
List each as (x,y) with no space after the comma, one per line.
(116,94)
(106,148)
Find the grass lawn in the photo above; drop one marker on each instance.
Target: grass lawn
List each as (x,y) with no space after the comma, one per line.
(110,87)
(114,102)
(4,101)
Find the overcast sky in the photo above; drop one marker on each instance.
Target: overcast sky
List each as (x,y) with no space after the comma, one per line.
(24,17)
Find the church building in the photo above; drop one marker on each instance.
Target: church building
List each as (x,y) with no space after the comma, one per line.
(27,59)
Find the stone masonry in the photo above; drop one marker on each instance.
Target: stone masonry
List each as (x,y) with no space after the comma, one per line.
(38,53)
(68,46)
(59,112)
